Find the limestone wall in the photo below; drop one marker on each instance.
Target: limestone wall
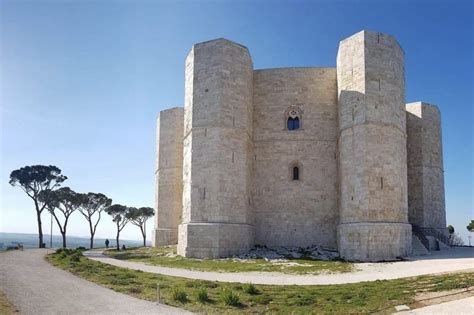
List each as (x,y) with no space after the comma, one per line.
(217,168)
(302,212)
(426,202)
(372,148)
(169,176)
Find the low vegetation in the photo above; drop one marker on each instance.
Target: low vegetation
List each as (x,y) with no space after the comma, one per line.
(364,297)
(250,288)
(179,295)
(201,295)
(229,297)
(166,257)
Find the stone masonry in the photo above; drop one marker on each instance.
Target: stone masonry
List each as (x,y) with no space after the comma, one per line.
(298,156)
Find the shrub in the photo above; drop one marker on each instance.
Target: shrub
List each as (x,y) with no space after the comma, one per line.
(81,248)
(250,288)
(179,295)
(201,295)
(229,297)
(75,257)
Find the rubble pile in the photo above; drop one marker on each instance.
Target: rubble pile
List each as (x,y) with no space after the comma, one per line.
(284,253)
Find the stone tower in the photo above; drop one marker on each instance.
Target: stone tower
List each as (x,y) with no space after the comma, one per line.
(217,164)
(373,223)
(169,174)
(425,167)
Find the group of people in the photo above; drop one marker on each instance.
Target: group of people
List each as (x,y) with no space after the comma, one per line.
(107,242)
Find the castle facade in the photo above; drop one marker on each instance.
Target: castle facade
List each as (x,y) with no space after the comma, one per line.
(298,156)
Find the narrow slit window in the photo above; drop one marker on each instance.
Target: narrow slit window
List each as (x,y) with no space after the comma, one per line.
(296,173)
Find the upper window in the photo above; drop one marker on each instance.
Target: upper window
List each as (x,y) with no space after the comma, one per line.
(293,118)
(293,123)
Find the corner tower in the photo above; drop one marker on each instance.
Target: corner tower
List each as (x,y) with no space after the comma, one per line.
(168,176)
(217,151)
(372,146)
(426,205)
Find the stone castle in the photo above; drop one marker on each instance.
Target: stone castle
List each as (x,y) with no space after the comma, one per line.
(299,156)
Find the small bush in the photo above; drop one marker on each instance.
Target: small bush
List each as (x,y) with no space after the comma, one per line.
(179,295)
(250,288)
(75,257)
(201,295)
(81,248)
(229,297)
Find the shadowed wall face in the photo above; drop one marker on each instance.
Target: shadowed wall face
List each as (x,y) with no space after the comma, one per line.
(425,166)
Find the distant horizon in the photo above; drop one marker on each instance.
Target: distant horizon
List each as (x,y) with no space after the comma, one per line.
(75,236)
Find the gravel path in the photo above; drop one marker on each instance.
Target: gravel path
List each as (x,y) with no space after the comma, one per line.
(452,260)
(36,287)
(458,307)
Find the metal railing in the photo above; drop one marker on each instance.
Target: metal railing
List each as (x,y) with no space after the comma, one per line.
(426,231)
(421,236)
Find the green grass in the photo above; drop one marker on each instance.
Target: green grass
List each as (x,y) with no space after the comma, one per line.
(157,256)
(364,297)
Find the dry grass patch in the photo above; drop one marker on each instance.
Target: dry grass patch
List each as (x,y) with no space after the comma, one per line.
(6,308)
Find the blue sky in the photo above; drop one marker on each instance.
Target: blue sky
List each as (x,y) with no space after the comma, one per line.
(82,82)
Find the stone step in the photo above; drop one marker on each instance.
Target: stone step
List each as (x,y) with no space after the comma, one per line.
(417,247)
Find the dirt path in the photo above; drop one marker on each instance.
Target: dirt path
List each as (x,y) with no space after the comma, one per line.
(453,260)
(36,287)
(458,307)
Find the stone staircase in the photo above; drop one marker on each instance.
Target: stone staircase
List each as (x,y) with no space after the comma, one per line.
(421,240)
(417,247)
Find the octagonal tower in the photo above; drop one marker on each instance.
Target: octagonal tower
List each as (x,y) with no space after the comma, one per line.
(372,149)
(217,162)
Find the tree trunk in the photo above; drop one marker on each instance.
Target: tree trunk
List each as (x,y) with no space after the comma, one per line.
(144,236)
(40,229)
(92,233)
(64,239)
(117,239)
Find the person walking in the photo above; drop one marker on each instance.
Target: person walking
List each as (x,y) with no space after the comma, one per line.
(107,242)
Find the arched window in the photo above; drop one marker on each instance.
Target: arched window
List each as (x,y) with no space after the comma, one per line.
(296,173)
(293,123)
(293,118)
